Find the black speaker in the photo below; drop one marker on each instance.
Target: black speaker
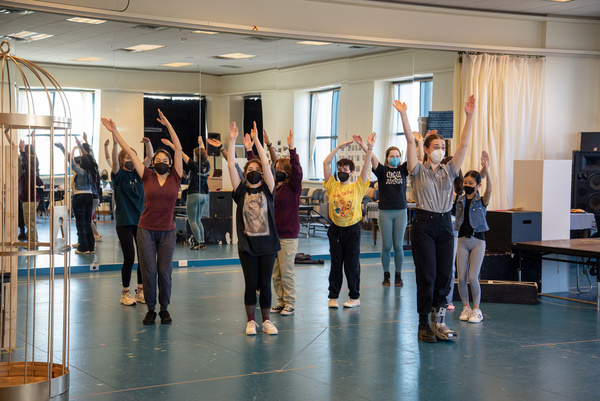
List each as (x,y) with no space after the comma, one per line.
(211,150)
(507,227)
(220,204)
(590,142)
(585,190)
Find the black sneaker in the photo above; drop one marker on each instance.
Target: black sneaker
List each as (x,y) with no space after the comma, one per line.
(202,246)
(398,280)
(426,334)
(386,279)
(150,317)
(165,317)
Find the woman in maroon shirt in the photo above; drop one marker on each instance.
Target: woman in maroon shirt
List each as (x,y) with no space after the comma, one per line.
(156,234)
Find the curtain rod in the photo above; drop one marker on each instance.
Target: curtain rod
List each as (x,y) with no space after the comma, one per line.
(460,54)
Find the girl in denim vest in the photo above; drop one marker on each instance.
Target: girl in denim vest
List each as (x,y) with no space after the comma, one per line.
(471,224)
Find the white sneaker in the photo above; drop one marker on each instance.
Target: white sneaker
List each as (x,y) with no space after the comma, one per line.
(269,328)
(287,311)
(139,296)
(333,303)
(466,312)
(251,328)
(476,316)
(351,303)
(127,299)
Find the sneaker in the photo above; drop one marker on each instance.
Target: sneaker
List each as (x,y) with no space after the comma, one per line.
(150,317)
(333,303)
(476,316)
(127,299)
(466,312)
(351,303)
(78,252)
(386,279)
(98,238)
(139,296)
(195,247)
(202,246)
(165,317)
(269,328)
(277,309)
(251,328)
(398,280)
(287,311)
(450,306)
(425,333)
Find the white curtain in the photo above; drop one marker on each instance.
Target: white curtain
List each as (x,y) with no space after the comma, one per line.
(313,135)
(509,115)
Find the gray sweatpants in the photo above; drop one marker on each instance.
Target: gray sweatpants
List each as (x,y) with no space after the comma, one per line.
(155,256)
(469,256)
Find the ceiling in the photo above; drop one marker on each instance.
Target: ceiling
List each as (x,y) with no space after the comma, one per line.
(572,8)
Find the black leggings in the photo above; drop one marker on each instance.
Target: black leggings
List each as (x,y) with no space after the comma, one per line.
(258,271)
(127,237)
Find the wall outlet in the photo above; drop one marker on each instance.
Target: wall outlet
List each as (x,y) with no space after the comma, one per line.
(183,263)
(94,267)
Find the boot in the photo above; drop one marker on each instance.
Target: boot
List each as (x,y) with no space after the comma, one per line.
(386,279)
(439,328)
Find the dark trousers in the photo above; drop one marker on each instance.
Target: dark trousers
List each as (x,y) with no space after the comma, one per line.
(433,254)
(258,271)
(21,218)
(155,256)
(344,247)
(128,240)
(82,209)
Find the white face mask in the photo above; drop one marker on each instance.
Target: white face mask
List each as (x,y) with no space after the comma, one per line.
(436,156)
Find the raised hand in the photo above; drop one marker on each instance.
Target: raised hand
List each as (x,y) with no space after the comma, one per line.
(254,131)
(358,139)
(109,124)
(145,140)
(22,145)
(290,140)
(233,132)
(345,144)
(60,146)
(418,136)
(470,105)
(214,142)
(200,142)
(371,140)
(485,161)
(431,132)
(168,143)
(247,142)
(162,119)
(85,137)
(107,142)
(400,106)
(77,142)
(266,137)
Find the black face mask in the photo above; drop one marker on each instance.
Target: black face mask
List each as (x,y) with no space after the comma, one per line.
(104,177)
(254,177)
(161,168)
(128,165)
(469,190)
(343,176)
(280,176)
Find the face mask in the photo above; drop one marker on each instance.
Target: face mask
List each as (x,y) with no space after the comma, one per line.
(104,177)
(254,177)
(469,190)
(394,161)
(161,168)
(129,165)
(280,176)
(343,176)
(436,156)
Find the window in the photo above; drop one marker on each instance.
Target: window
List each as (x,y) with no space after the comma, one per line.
(82,106)
(323,129)
(413,93)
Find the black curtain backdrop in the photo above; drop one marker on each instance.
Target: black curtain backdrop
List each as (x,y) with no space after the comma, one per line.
(188,118)
(252,113)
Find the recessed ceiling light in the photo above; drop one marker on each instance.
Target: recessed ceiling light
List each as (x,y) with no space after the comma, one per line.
(29,36)
(143,48)
(86,59)
(206,32)
(313,43)
(87,20)
(236,55)
(175,64)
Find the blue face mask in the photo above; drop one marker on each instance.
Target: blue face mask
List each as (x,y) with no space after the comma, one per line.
(394,161)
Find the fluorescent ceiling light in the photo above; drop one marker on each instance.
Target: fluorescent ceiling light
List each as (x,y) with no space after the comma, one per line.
(175,64)
(86,59)
(87,20)
(560,1)
(143,48)
(28,35)
(206,32)
(313,43)
(236,55)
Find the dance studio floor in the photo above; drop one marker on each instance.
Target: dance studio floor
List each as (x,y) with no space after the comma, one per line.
(548,351)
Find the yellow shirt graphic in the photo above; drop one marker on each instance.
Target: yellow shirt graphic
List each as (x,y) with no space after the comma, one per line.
(345,201)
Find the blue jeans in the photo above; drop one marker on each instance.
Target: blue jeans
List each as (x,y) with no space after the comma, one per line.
(393,225)
(195,206)
(155,256)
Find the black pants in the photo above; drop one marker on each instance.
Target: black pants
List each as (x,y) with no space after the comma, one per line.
(344,247)
(258,271)
(127,237)
(433,253)
(82,208)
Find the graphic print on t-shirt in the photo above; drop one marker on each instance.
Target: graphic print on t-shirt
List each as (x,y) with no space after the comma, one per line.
(342,202)
(393,177)
(255,215)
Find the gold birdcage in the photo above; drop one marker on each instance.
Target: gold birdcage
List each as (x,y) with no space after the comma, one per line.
(35,336)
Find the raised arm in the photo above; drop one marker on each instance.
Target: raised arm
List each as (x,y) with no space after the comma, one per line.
(485,166)
(178,157)
(329,158)
(374,161)
(217,144)
(269,145)
(366,170)
(419,145)
(149,151)
(264,160)
(115,166)
(112,127)
(411,149)
(233,175)
(465,137)
(185,157)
